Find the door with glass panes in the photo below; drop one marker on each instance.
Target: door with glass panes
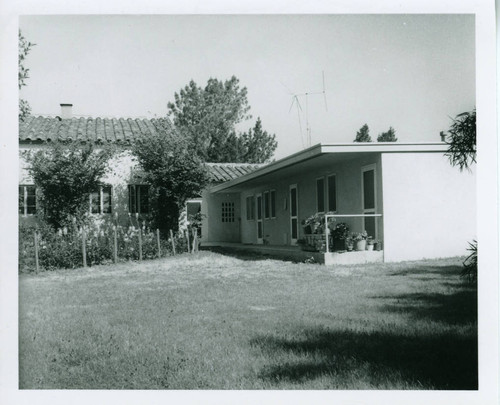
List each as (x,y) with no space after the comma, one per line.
(294,212)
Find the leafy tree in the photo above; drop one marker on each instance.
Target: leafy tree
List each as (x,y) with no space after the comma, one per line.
(462,140)
(363,135)
(389,136)
(65,174)
(172,170)
(208,117)
(24,48)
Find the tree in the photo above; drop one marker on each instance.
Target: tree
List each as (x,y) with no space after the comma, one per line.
(65,174)
(208,117)
(462,140)
(257,145)
(363,135)
(462,153)
(172,170)
(389,136)
(23,73)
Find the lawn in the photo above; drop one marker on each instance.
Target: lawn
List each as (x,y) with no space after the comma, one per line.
(209,321)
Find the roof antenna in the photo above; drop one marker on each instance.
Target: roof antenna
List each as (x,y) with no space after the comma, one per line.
(295,100)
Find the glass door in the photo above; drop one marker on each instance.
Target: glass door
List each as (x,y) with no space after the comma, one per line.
(260,231)
(294,210)
(369,197)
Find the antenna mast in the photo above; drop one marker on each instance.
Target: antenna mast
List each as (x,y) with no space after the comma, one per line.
(295,100)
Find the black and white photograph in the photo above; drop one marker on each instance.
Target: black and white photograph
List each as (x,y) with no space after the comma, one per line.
(239,201)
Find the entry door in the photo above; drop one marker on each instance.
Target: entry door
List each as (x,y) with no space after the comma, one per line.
(294,210)
(369,198)
(260,231)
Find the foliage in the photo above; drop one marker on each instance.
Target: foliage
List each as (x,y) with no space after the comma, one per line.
(208,117)
(172,169)
(341,231)
(257,146)
(63,248)
(370,240)
(317,222)
(389,136)
(24,47)
(470,263)
(65,174)
(363,135)
(358,236)
(462,140)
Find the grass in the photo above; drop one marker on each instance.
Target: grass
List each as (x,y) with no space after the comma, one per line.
(209,321)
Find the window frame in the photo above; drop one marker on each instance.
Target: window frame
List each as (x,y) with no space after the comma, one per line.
(266,204)
(137,198)
(324,194)
(334,175)
(272,202)
(100,194)
(25,212)
(228,212)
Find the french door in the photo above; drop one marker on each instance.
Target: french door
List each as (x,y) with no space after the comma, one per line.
(369,198)
(260,230)
(294,212)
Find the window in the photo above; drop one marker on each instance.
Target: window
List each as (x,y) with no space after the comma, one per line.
(320,195)
(138,199)
(100,200)
(266,204)
(27,200)
(250,207)
(228,212)
(273,204)
(332,193)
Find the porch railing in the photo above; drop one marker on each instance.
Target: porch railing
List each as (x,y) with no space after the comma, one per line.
(327,230)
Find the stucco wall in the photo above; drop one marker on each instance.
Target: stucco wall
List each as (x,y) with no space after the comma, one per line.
(213,229)
(277,231)
(429,207)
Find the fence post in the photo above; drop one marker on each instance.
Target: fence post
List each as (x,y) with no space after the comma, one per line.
(186,235)
(115,240)
(172,239)
(84,247)
(195,240)
(140,242)
(36,252)
(158,241)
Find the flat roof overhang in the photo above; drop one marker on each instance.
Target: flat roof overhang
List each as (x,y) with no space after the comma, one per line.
(318,155)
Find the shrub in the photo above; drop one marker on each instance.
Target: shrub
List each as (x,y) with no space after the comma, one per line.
(470,263)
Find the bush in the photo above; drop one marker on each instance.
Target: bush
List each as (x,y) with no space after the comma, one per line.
(470,263)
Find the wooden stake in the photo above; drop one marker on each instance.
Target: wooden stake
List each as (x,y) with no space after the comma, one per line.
(37,267)
(158,242)
(140,242)
(173,242)
(115,240)
(84,247)
(195,240)
(186,234)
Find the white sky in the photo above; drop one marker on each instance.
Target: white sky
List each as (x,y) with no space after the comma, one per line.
(411,72)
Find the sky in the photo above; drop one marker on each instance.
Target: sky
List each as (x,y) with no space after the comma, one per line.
(411,72)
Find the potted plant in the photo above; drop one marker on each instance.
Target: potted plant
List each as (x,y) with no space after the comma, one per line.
(339,235)
(349,244)
(360,240)
(370,243)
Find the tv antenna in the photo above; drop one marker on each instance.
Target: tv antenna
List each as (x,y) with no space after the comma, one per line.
(296,102)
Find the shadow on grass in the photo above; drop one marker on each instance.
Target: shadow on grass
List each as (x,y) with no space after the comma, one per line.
(375,360)
(247,255)
(449,270)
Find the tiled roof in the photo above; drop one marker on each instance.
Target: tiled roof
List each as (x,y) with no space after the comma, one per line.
(115,130)
(220,172)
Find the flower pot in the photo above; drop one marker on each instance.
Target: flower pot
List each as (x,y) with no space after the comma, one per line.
(379,246)
(349,247)
(369,247)
(361,245)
